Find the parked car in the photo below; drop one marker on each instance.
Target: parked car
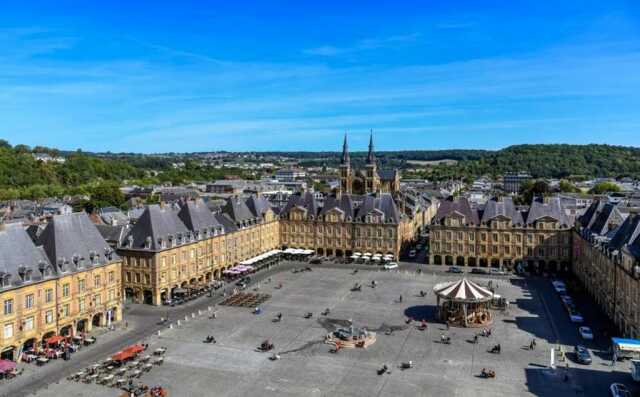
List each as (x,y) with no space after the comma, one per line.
(576,317)
(566,299)
(498,272)
(390,266)
(479,270)
(315,261)
(585,333)
(559,286)
(419,247)
(582,354)
(619,390)
(412,254)
(455,269)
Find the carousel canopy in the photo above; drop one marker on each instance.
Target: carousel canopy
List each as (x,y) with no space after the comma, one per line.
(462,291)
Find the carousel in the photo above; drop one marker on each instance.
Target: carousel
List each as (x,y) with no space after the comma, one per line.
(464,303)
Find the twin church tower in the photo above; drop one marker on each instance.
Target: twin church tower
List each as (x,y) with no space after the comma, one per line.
(367,180)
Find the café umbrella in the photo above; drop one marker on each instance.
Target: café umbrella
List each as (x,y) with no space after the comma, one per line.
(6,366)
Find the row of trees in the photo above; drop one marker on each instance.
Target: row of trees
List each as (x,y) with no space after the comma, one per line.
(548,161)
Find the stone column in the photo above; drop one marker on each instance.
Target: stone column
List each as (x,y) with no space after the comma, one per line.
(157,297)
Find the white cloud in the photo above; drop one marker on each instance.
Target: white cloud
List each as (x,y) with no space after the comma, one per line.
(363,45)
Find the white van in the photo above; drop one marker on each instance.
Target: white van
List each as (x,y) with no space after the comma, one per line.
(390,266)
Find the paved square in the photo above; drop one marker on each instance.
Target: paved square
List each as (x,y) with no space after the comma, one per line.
(233,367)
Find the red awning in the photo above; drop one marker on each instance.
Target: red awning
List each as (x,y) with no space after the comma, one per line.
(135,349)
(55,339)
(123,355)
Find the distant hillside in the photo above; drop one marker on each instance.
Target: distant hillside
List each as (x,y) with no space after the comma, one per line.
(552,161)
(22,176)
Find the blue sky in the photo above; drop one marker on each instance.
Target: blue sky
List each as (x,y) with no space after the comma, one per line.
(274,75)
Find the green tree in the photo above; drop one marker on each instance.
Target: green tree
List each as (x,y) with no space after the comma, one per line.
(568,187)
(605,187)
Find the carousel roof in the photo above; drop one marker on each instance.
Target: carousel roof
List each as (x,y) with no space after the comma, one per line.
(462,291)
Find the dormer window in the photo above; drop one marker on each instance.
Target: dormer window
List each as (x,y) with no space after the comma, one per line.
(4,280)
(130,241)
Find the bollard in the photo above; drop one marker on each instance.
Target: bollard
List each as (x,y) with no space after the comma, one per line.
(186,318)
(171,326)
(158,332)
(209,308)
(193,315)
(199,312)
(178,323)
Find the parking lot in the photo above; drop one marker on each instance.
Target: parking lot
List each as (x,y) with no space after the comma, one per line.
(233,367)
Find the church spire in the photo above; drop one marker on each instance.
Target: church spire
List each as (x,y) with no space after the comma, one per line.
(371,158)
(345,151)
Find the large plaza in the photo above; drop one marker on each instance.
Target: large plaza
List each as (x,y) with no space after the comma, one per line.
(234,367)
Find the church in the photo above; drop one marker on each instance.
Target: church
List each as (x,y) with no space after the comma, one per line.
(369,179)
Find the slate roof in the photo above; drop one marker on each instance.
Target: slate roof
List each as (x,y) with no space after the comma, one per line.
(600,224)
(74,240)
(258,205)
(305,200)
(158,223)
(634,248)
(227,223)
(387,174)
(589,214)
(354,206)
(197,217)
(113,215)
(344,203)
(503,207)
(112,234)
(460,206)
(238,210)
(601,218)
(20,256)
(552,209)
(626,233)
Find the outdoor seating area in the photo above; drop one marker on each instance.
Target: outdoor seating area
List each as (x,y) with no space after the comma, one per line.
(370,258)
(297,254)
(238,270)
(55,347)
(8,370)
(120,370)
(243,299)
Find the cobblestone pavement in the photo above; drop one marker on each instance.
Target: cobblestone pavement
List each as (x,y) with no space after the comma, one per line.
(233,367)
